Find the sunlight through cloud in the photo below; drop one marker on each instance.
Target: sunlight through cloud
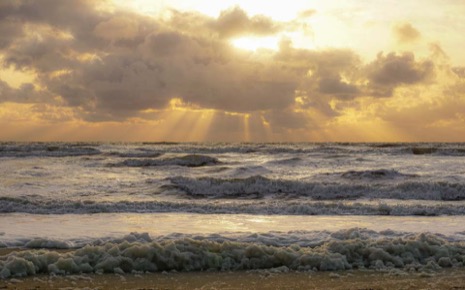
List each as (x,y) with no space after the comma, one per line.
(255,43)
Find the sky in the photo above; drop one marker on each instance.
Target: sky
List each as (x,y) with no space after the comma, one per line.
(232,71)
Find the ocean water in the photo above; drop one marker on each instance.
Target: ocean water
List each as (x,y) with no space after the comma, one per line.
(142,207)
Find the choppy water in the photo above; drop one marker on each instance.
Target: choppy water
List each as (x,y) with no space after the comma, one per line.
(409,186)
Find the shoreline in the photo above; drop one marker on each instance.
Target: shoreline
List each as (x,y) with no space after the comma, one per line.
(261,279)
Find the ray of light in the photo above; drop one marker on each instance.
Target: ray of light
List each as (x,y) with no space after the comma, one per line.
(201,125)
(184,122)
(267,128)
(246,127)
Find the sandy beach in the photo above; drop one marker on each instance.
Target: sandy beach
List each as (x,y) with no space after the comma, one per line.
(449,279)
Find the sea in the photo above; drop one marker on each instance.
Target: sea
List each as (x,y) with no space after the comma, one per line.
(69,208)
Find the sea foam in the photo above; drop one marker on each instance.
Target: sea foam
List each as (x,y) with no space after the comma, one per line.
(247,206)
(346,249)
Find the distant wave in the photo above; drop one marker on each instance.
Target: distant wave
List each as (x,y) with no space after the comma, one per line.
(136,154)
(342,250)
(259,186)
(437,150)
(264,207)
(46,150)
(286,161)
(387,145)
(191,160)
(378,174)
(136,150)
(249,170)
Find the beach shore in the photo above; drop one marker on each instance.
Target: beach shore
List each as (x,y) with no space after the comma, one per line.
(447,279)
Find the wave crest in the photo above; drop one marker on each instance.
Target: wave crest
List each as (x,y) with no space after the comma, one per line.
(47,150)
(191,160)
(378,174)
(259,186)
(267,207)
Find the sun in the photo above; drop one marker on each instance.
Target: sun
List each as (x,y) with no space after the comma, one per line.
(254,43)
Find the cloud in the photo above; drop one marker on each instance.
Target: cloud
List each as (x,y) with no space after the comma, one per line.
(287,119)
(387,72)
(118,28)
(326,75)
(44,51)
(459,71)
(336,87)
(25,94)
(116,65)
(406,33)
(113,73)
(307,13)
(236,22)
(395,69)
(9,30)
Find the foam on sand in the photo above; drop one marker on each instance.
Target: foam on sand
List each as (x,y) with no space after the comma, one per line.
(344,250)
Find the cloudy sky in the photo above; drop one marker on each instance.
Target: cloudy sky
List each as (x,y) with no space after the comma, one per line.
(185,70)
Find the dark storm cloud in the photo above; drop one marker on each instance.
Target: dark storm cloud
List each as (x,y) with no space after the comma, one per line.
(114,65)
(335,86)
(44,53)
(392,70)
(233,22)
(9,30)
(26,94)
(77,17)
(115,87)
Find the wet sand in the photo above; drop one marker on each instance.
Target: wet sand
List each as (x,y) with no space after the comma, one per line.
(450,279)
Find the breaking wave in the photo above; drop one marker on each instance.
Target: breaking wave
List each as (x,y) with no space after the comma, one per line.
(438,150)
(191,160)
(379,174)
(259,186)
(249,170)
(342,250)
(265,207)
